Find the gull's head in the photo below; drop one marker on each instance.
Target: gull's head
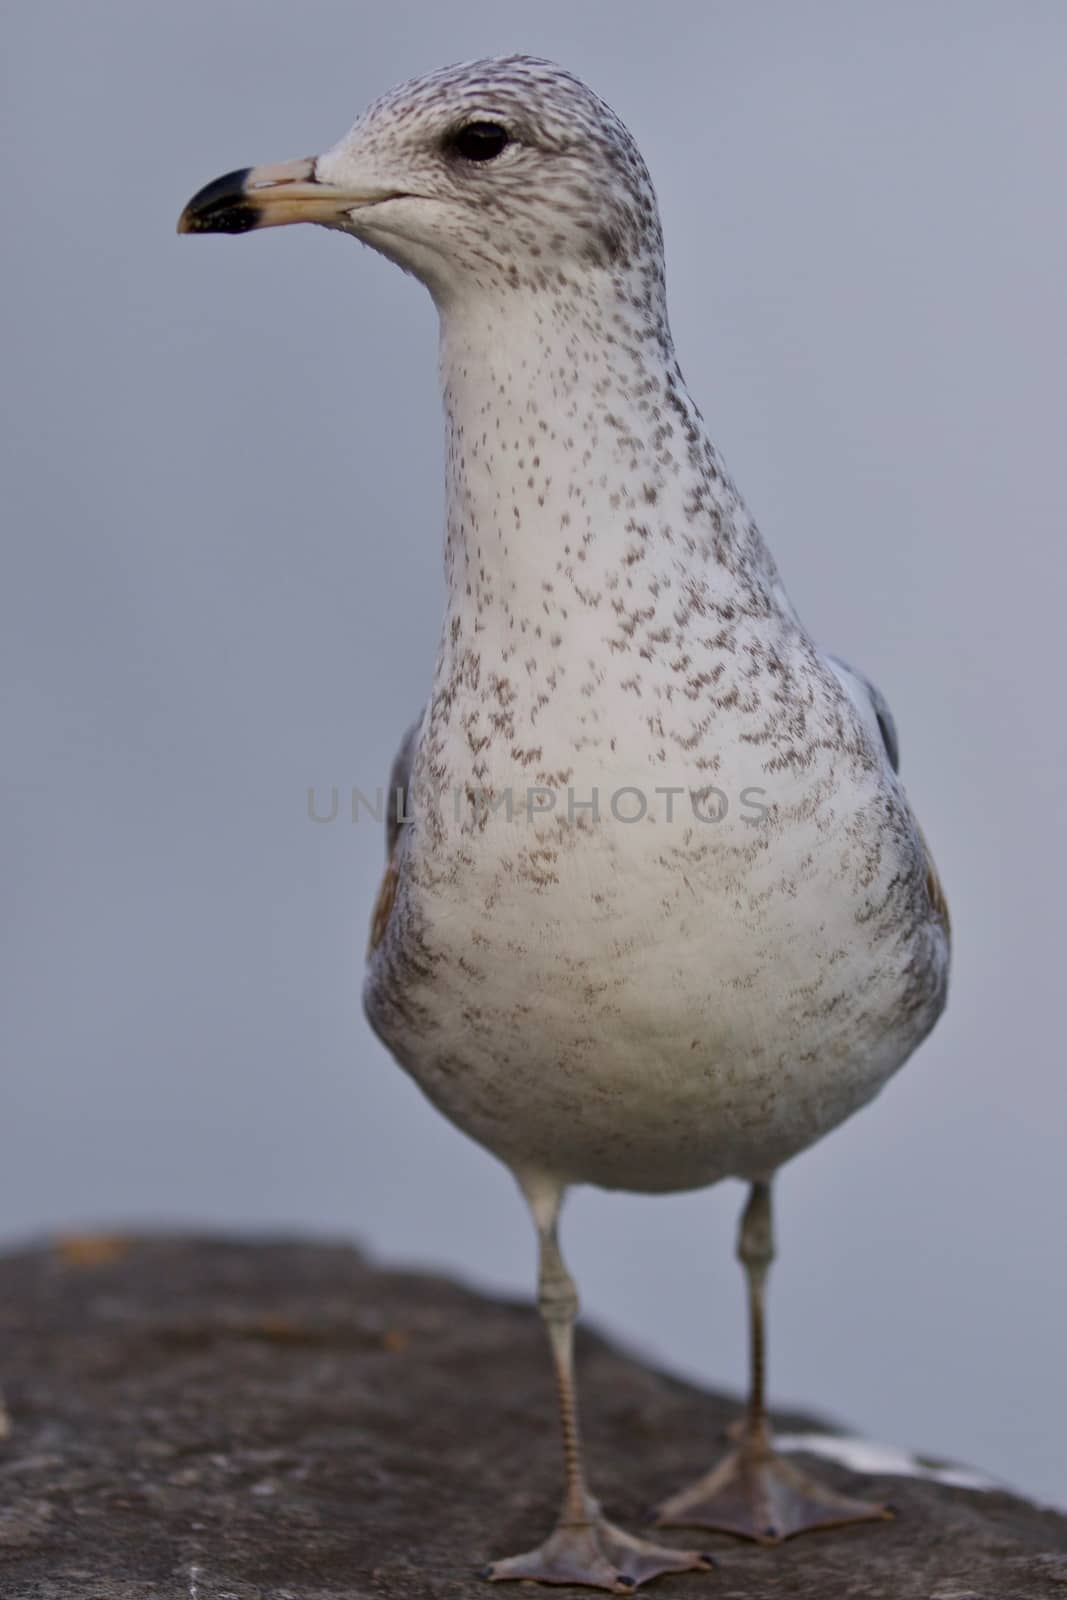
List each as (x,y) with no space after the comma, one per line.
(501,174)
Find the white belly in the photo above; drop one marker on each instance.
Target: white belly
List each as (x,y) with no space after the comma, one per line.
(655,1007)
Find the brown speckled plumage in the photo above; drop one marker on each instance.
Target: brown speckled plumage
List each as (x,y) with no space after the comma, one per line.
(652,1004)
(657,911)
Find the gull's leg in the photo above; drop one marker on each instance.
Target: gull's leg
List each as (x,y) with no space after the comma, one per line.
(583,1548)
(754,1492)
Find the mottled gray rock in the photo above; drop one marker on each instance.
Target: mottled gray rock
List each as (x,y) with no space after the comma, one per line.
(217,1420)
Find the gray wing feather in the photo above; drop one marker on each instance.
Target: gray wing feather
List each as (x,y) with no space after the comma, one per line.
(880,706)
(396,810)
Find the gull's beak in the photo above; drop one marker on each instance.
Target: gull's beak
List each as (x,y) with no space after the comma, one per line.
(267,197)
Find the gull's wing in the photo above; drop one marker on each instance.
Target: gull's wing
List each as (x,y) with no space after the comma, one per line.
(396,814)
(870,699)
(873,705)
(399,781)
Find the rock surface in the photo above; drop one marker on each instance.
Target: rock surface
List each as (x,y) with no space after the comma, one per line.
(217,1420)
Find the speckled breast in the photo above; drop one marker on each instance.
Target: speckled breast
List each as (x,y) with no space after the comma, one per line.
(651,1004)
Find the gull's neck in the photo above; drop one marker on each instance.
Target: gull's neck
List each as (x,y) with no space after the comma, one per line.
(578,471)
(597,556)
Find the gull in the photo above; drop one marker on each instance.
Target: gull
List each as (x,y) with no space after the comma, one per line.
(656,911)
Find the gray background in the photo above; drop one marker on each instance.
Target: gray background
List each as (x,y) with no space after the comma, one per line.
(222,494)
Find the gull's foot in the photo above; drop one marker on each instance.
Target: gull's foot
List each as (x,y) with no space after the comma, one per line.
(599,1555)
(756,1494)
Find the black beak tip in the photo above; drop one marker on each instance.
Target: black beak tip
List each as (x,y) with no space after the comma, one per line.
(221,207)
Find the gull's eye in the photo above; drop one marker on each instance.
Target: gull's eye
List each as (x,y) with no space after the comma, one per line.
(478,141)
